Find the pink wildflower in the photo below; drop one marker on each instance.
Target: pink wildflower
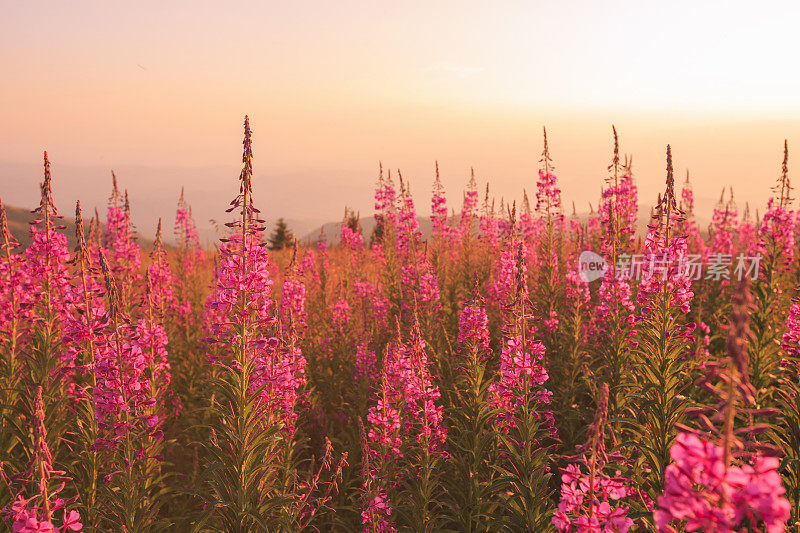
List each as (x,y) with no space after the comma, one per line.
(473,331)
(702,494)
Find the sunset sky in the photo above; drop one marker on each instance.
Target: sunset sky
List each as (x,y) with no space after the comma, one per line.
(158,91)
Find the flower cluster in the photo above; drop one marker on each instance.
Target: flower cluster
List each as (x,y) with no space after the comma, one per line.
(193,255)
(124,254)
(365,370)
(122,394)
(15,285)
(510,270)
(377,513)
(703,493)
(468,207)
(385,198)
(618,211)
(659,274)
(777,233)
(441,228)
(293,304)
(791,339)
(592,503)
(548,195)
(520,382)
(341,313)
(473,328)
(351,238)
(407,402)
(723,225)
(429,288)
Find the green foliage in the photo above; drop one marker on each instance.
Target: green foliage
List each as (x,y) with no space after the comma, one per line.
(787,437)
(472,442)
(244,442)
(657,396)
(524,478)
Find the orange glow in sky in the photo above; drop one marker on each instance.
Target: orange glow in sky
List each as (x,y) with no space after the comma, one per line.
(158,90)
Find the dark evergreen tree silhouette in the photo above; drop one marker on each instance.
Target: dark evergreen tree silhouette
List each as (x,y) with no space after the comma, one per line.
(377,233)
(282,237)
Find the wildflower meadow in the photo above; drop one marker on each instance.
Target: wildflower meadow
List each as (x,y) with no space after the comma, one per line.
(473,379)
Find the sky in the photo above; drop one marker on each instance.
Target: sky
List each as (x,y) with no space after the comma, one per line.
(157,91)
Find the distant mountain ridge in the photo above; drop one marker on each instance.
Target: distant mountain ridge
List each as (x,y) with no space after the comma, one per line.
(19,223)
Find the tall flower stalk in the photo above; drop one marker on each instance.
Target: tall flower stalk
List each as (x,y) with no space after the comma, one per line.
(129,429)
(252,476)
(658,385)
(47,271)
(85,325)
(614,318)
(775,256)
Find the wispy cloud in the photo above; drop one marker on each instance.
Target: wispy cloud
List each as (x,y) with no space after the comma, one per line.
(450,68)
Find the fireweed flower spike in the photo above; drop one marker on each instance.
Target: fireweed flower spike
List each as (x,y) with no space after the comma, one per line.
(660,376)
(119,241)
(351,236)
(723,224)
(613,318)
(47,257)
(185,317)
(293,312)
(665,252)
(186,299)
(523,421)
(549,280)
(258,374)
(618,208)
(85,326)
(419,286)
(488,223)
(160,279)
(441,227)
(376,516)
(192,254)
(124,408)
(385,200)
(470,416)
(406,378)
(468,207)
(777,230)
(771,279)
(406,425)
(85,318)
(121,391)
(150,331)
(746,233)
(47,271)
